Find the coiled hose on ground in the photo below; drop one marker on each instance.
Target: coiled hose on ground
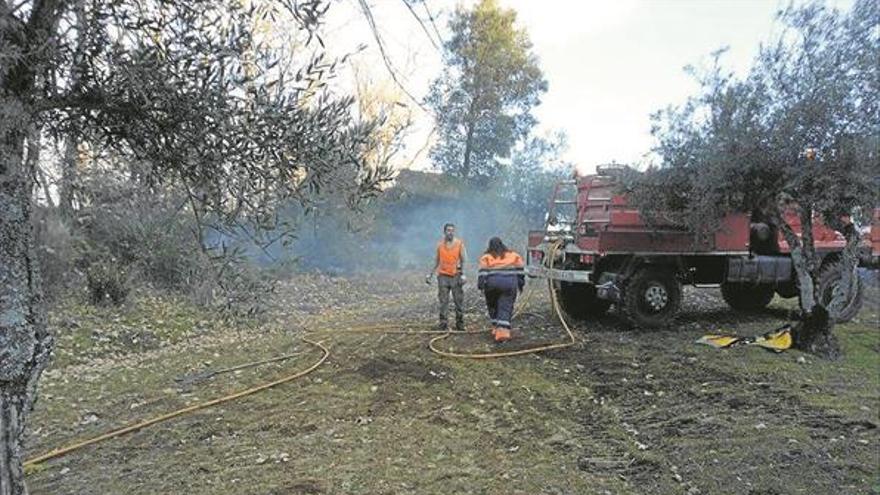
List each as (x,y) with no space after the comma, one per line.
(325,353)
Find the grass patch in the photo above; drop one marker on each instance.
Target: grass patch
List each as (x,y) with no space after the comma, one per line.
(622,412)
(148,321)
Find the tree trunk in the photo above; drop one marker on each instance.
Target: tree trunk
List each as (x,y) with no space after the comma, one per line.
(24,341)
(33,163)
(11,429)
(813,333)
(799,261)
(68,178)
(807,240)
(69,161)
(468,150)
(469,139)
(849,261)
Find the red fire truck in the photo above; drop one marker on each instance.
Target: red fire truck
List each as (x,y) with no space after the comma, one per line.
(606,253)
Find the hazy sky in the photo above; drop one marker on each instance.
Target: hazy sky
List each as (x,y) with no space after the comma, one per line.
(609,63)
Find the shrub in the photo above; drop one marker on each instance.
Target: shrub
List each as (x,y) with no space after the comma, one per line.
(107,283)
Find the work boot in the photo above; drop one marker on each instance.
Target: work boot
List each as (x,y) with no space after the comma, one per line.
(459,326)
(502,335)
(442,326)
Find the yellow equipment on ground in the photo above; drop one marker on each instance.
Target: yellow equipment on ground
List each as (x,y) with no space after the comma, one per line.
(776,340)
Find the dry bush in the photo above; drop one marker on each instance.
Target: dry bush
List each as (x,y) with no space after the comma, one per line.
(107,283)
(152,237)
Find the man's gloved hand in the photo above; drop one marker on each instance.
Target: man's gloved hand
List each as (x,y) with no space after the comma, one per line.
(463,279)
(428,278)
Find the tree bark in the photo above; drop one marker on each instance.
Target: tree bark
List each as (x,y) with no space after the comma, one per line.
(68,178)
(469,138)
(468,147)
(24,341)
(69,161)
(849,261)
(807,241)
(11,428)
(32,162)
(800,262)
(813,333)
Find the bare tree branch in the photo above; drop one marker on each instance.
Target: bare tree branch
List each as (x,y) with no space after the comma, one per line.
(421,23)
(431,18)
(372,22)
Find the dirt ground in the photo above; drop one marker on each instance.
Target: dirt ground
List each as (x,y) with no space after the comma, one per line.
(624,411)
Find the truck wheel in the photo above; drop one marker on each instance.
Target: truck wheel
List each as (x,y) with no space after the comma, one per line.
(651,298)
(788,290)
(579,300)
(747,297)
(829,277)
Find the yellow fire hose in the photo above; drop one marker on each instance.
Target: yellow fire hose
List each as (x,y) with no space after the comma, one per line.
(518,352)
(385,328)
(186,410)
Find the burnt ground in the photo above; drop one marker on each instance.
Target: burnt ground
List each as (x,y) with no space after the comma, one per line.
(624,411)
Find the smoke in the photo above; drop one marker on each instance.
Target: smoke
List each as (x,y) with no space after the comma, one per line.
(416,229)
(400,231)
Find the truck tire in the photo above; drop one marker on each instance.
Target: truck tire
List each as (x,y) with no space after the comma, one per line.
(579,300)
(747,297)
(651,298)
(788,290)
(829,277)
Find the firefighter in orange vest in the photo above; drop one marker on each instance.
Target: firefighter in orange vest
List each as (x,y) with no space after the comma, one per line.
(501,276)
(449,267)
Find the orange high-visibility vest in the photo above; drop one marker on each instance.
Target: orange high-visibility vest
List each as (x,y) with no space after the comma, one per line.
(509,262)
(450,257)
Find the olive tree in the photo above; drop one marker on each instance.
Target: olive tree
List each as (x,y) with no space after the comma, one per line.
(199,95)
(796,138)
